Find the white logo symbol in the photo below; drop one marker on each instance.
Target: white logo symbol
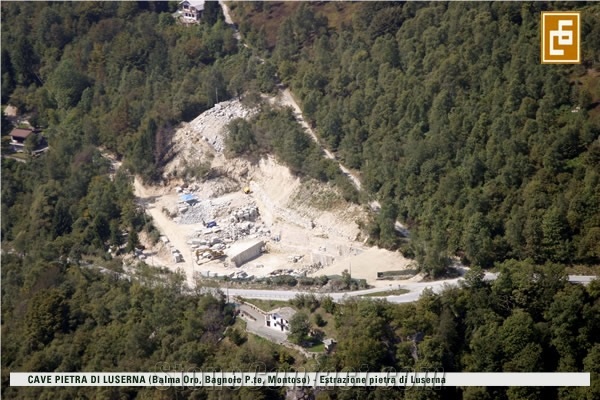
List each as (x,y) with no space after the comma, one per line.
(565,37)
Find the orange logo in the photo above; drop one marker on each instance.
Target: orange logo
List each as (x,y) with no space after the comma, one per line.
(560,38)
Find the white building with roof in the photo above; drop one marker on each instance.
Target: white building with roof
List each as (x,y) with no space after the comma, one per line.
(191,11)
(279,319)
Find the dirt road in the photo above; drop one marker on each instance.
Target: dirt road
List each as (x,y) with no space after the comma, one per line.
(152,203)
(287,99)
(229,21)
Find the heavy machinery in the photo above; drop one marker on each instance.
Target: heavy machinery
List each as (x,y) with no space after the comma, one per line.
(209,254)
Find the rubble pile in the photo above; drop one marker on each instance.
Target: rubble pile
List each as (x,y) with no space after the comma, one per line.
(201,212)
(219,115)
(228,234)
(240,275)
(222,226)
(249,213)
(311,268)
(303,270)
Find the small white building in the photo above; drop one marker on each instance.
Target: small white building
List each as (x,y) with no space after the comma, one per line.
(279,319)
(191,11)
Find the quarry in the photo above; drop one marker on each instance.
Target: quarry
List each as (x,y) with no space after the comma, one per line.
(242,219)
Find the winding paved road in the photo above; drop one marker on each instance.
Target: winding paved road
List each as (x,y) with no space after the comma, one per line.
(415,288)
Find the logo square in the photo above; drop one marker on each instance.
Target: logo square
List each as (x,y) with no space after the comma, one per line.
(560,37)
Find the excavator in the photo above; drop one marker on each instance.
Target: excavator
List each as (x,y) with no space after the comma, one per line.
(210,254)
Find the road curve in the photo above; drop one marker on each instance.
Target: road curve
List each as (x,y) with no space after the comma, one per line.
(415,288)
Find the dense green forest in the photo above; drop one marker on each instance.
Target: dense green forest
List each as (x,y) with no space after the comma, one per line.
(452,121)
(116,74)
(276,131)
(444,110)
(530,319)
(67,318)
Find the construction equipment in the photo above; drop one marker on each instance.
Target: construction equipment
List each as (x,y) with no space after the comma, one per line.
(247,190)
(209,254)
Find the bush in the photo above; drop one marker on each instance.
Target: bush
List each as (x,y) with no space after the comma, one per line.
(284,280)
(240,139)
(328,304)
(322,280)
(236,337)
(319,321)
(306,281)
(308,301)
(153,233)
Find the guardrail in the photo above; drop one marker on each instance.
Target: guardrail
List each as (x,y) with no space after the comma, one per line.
(252,306)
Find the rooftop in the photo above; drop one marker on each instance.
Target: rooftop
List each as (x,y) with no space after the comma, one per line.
(21,133)
(197,4)
(283,312)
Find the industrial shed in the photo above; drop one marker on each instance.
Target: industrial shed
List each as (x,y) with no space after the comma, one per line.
(243,252)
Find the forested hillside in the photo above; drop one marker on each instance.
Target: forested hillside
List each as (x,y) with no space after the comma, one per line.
(444,110)
(116,74)
(453,122)
(530,319)
(67,318)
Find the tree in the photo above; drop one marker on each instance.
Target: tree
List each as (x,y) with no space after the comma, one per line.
(299,328)
(319,321)
(347,279)
(8,79)
(591,364)
(266,77)
(67,84)
(47,315)
(555,231)
(31,143)
(286,45)
(518,336)
(563,314)
(474,278)
(236,337)
(132,241)
(328,304)
(24,60)
(212,12)
(240,139)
